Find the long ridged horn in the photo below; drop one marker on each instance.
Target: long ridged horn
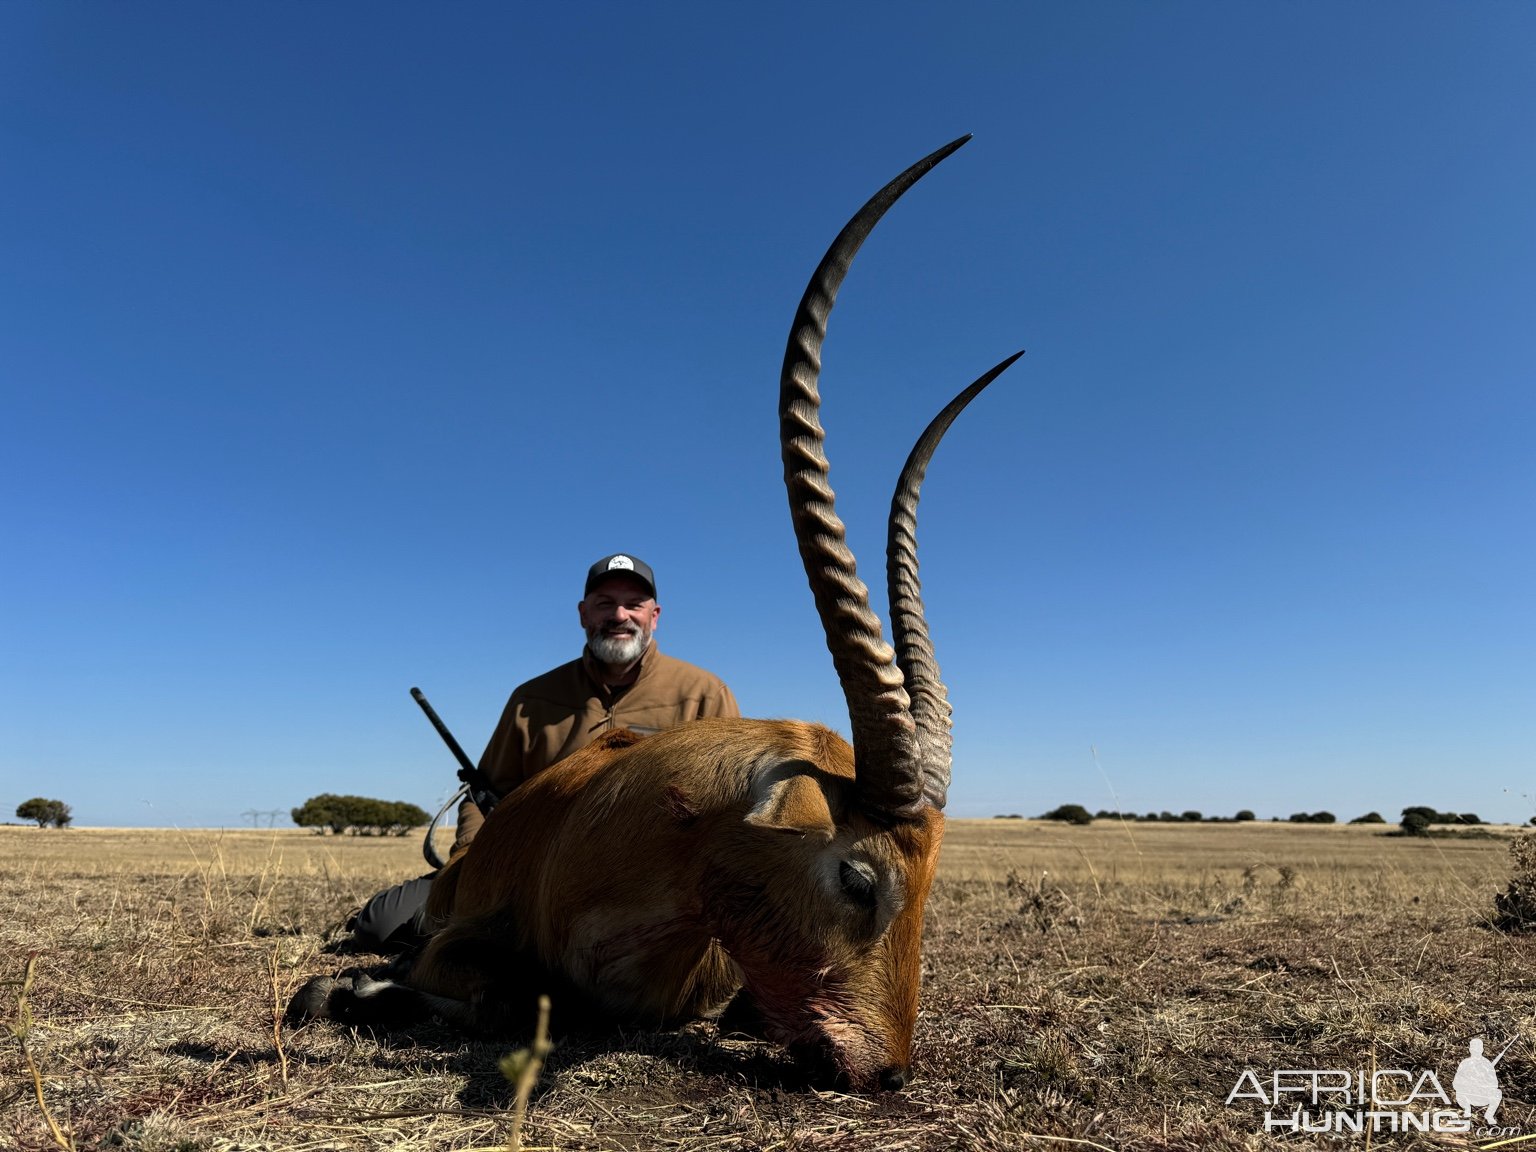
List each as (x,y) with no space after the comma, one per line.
(886,752)
(928,701)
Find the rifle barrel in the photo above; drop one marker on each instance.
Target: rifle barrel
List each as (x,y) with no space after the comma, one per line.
(442,730)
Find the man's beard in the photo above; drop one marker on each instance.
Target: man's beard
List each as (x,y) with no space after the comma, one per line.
(620,649)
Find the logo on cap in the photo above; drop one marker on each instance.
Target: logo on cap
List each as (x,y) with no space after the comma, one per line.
(623,562)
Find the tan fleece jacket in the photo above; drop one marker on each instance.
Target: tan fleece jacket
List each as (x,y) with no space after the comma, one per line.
(568,707)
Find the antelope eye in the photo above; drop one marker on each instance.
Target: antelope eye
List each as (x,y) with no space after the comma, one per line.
(858,882)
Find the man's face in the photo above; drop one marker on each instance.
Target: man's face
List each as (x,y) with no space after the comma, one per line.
(619,616)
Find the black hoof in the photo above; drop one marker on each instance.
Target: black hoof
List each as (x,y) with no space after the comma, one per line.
(313,1001)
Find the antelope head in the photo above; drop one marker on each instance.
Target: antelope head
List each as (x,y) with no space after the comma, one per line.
(867,820)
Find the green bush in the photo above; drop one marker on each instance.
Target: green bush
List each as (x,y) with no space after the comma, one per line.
(1415,824)
(1431,816)
(360,815)
(1070,813)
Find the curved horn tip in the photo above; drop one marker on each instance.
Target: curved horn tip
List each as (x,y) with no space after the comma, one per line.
(946,150)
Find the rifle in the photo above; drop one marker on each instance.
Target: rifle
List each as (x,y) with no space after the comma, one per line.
(474,780)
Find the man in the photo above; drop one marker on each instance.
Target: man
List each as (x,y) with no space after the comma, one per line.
(619,681)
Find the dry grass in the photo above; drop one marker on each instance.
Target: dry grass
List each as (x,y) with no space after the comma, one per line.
(1084,987)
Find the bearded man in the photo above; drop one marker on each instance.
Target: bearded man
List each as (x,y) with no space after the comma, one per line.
(619,681)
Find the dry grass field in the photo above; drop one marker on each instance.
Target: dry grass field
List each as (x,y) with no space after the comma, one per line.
(1099,987)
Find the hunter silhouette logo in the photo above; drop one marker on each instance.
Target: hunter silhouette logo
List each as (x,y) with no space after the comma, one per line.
(1346,1101)
(1477,1084)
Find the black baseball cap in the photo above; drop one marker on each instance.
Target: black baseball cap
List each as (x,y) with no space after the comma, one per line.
(620,564)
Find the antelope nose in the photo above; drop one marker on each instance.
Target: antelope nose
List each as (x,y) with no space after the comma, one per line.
(894,1079)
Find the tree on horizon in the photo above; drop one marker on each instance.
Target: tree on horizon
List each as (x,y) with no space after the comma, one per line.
(45,812)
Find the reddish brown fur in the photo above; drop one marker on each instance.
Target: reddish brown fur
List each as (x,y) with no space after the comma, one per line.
(659,877)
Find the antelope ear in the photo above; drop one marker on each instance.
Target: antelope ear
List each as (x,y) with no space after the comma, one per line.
(789,798)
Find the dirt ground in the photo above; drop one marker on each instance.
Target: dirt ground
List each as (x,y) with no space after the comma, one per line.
(1211,986)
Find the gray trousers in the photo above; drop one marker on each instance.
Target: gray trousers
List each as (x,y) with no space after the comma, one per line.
(392,921)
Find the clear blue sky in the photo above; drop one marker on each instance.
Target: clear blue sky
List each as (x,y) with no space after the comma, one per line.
(337,339)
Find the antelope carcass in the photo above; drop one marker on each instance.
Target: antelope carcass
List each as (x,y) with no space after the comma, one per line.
(654,880)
